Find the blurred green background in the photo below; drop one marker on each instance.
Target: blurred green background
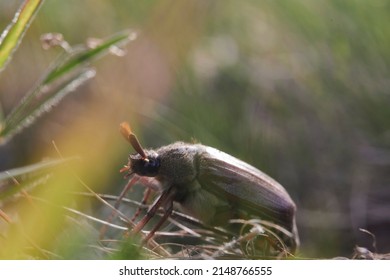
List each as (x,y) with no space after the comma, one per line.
(299,89)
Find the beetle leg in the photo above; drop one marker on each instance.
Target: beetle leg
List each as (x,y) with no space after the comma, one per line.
(147,193)
(150,184)
(166,198)
(129,185)
(167,213)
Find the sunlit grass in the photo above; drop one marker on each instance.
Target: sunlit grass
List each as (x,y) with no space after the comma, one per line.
(297,89)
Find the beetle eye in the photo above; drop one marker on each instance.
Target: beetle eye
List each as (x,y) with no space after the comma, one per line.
(150,167)
(146,167)
(152,164)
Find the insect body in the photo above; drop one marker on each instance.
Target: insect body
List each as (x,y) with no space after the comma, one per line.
(210,185)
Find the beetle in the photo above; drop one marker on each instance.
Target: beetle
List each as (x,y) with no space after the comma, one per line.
(209,185)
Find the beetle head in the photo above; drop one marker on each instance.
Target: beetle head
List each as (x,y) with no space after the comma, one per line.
(144,163)
(147,166)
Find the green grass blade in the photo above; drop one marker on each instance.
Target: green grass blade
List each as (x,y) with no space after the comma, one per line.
(44,165)
(26,174)
(62,78)
(47,98)
(13,34)
(88,55)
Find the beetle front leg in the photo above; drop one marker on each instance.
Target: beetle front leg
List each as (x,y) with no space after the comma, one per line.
(129,185)
(167,213)
(147,193)
(166,198)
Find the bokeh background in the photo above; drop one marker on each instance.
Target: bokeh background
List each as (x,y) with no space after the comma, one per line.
(299,89)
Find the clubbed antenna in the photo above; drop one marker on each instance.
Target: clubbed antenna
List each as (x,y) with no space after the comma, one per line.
(125,130)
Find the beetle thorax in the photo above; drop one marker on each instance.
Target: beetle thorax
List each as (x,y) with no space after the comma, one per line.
(179,163)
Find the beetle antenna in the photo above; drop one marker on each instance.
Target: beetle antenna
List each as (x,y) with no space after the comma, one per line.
(125,130)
